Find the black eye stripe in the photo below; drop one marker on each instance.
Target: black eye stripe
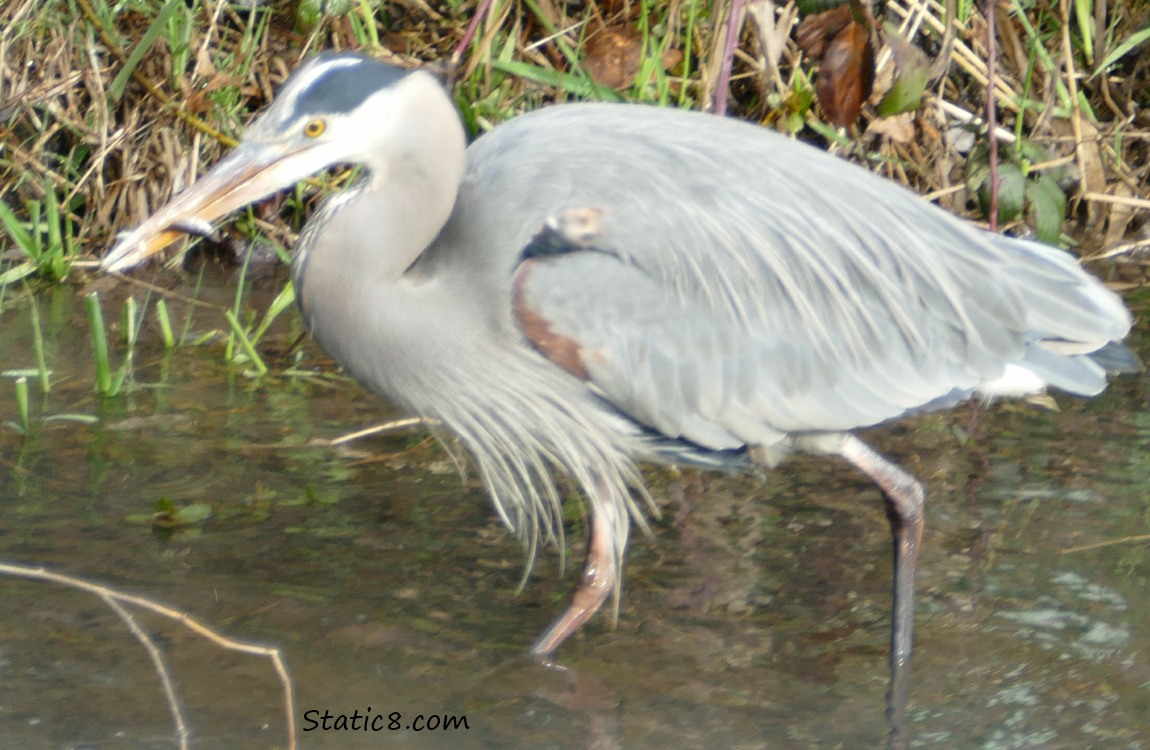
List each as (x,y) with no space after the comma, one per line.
(342,88)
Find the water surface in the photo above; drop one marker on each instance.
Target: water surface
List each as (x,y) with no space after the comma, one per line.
(754,616)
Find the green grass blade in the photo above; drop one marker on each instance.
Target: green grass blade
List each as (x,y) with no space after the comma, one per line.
(245,343)
(1084,15)
(17,232)
(120,82)
(38,349)
(283,300)
(128,322)
(55,246)
(22,271)
(22,403)
(165,324)
(573,84)
(1123,49)
(99,344)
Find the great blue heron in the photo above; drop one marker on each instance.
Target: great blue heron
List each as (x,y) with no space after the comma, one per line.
(592,285)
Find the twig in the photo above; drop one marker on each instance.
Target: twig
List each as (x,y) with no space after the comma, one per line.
(1107,543)
(158,663)
(398,424)
(168,293)
(1124,200)
(961,115)
(1114,251)
(116,598)
(968,61)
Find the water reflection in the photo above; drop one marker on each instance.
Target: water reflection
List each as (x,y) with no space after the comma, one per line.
(755,617)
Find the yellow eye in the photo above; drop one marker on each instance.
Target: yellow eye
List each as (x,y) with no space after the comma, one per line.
(314,129)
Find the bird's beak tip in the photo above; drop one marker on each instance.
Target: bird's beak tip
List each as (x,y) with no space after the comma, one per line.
(125,254)
(241,178)
(134,247)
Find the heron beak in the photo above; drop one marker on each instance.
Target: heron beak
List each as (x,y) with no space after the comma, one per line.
(245,176)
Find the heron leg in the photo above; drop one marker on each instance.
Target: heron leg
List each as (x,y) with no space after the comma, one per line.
(905,497)
(599,579)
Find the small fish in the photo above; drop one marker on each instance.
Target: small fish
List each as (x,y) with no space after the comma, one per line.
(196,226)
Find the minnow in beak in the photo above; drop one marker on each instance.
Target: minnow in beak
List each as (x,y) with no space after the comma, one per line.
(250,173)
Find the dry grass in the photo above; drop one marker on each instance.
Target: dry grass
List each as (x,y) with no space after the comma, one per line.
(114,149)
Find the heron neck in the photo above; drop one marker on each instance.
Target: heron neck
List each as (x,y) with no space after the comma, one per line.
(375,231)
(360,298)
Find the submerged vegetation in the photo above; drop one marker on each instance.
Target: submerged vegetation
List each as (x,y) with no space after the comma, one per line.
(107,107)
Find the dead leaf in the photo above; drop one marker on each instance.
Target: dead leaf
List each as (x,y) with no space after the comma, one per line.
(1093,173)
(613,56)
(1121,214)
(846,74)
(197,100)
(899,128)
(204,65)
(818,29)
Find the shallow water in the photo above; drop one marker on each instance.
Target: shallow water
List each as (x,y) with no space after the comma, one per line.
(754,616)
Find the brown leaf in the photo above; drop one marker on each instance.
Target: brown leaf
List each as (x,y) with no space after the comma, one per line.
(1093,167)
(846,75)
(1121,215)
(818,29)
(613,56)
(899,128)
(197,100)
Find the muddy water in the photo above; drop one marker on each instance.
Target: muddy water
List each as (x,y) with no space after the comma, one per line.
(754,616)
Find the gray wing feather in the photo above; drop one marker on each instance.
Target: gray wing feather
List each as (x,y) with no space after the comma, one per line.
(745,286)
(675,366)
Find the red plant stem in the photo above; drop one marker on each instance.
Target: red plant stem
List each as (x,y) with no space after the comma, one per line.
(734,18)
(477,19)
(991,111)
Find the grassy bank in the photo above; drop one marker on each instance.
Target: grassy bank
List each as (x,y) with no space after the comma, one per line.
(107,107)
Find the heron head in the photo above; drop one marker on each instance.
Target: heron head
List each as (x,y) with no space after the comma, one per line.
(339,108)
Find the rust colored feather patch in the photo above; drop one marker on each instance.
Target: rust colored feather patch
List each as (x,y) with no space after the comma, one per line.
(562,350)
